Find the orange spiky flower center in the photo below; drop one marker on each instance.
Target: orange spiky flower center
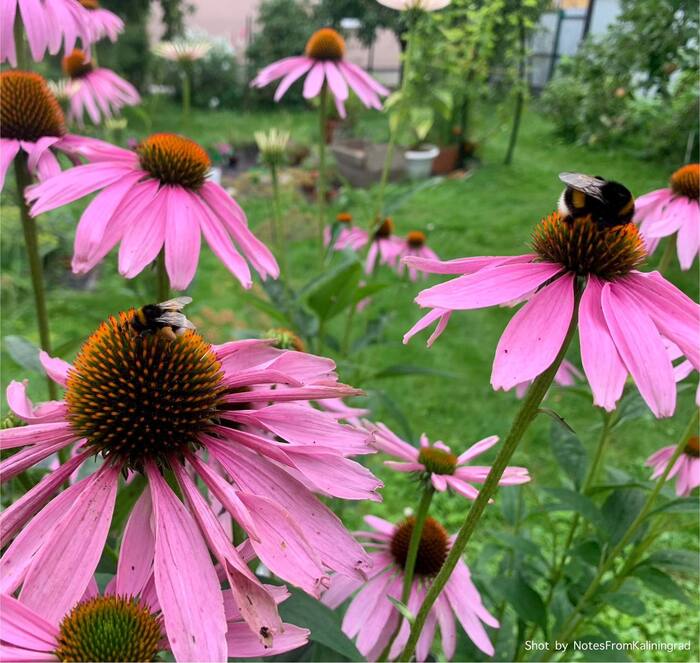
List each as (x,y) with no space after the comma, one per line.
(416,239)
(325,44)
(385,229)
(432,550)
(437,461)
(686,181)
(138,397)
(90,4)
(174,159)
(692,447)
(344,217)
(76,64)
(108,628)
(581,246)
(28,109)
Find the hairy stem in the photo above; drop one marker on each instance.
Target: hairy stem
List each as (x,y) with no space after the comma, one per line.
(162,281)
(321,185)
(278,237)
(667,255)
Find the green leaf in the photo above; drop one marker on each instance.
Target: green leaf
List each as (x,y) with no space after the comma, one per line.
(526,602)
(589,551)
(661,583)
(520,544)
(24,353)
(631,407)
(287,302)
(620,509)
(625,602)
(569,452)
(333,291)
(403,609)
(324,624)
(402,370)
(681,505)
(685,561)
(570,500)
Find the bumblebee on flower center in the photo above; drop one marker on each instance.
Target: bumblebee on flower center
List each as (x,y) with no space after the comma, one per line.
(325,44)
(137,397)
(437,461)
(108,628)
(581,246)
(174,159)
(432,550)
(686,181)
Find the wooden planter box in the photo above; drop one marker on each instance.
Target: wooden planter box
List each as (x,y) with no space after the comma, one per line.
(361,162)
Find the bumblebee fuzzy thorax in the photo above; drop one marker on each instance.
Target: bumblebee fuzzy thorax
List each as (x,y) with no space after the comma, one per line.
(138,398)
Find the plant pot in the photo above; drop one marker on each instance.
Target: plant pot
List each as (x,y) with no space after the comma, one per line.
(331,126)
(419,162)
(446,161)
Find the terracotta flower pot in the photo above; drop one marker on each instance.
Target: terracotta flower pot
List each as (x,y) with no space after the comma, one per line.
(446,161)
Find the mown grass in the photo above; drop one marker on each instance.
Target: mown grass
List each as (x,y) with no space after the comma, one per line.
(491,212)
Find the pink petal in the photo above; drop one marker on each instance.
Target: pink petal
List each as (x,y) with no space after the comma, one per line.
(24,628)
(188,589)
(336,82)
(462,265)
(55,368)
(63,567)
(384,617)
(292,75)
(35,27)
(26,458)
(144,239)
(136,553)
(44,433)
(688,240)
(182,237)
(641,349)
(243,643)
(534,336)
(19,403)
(314,81)
(8,151)
(601,362)
(448,629)
(477,449)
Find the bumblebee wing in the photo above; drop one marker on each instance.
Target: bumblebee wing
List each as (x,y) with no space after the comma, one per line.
(176,304)
(591,186)
(175,319)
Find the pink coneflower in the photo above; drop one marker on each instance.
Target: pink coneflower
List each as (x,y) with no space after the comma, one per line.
(31,120)
(566,376)
(623,317)
(148,404)
(437,463)
(156,198)
(47,24)
(674,210)
(101,22)
(96,90)
(372,618)
(347,236)
(385,247)
(686,468)
(324,60)
(86,632)
(414,245)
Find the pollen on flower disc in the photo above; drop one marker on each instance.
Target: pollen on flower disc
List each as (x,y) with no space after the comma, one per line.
(415,239)
(385,229)
(138,397)
(76,64)
(325,44)
(437,461)
(582,247)
(108,628)
(174,159)
(692,446)
(686,181)
(343,217)
(28,109)
(432,550)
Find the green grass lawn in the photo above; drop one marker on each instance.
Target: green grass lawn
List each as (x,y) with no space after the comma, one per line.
(492,212)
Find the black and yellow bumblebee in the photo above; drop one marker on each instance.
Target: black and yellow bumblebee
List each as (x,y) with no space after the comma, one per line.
(609,203)
(165,318)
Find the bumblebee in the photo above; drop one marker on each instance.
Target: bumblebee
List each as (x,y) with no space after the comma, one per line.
(609,203)
(165,318)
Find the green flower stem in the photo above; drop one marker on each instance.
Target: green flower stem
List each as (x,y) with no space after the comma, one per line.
(21,46)
(278,234)
(667,255)
(321,184)
(162,281)
(186,92)
(31,241)
(347,335)
(527,413)
(575,618)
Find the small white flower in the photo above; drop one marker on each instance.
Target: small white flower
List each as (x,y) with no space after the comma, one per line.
(181,50)
(272,145)
(425,5)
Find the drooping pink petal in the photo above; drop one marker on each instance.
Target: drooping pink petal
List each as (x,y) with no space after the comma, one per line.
(688,240)
(292,76)
(383,613)
(641,349)
(243,643)
(188,589)
(314,81)
(143,241)
(136,553)
(57,369)
(26,458)
(463,265)
(182,237)
(366,78)
(440,314)
(44,433)
(336,82)
(24,628)
(19,403)
(477,449)
(448,629)
(8,9)
(277,70)
(35,27)
(8,151)
(63,567)
(535,335)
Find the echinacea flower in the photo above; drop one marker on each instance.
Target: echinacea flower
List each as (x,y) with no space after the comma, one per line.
(97,90)
(422,5)
(566,376)
(623,317)
(686,468)
(385,247)
(347,236)
(156,198)
(436,463)
(31,120)
(414,245)
(372,618)
(101,22)
(182,50)
(324,60)
(120,627)
(149,404)
(673,210)
(47,24)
